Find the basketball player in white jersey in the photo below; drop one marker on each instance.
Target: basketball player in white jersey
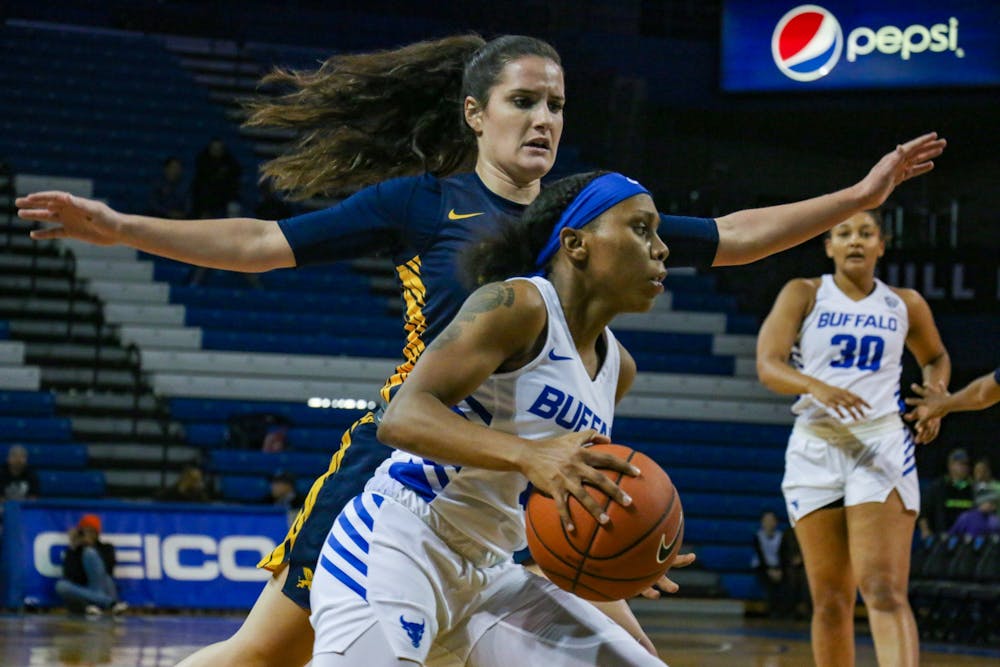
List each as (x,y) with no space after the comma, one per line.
(850,476)
(417,570)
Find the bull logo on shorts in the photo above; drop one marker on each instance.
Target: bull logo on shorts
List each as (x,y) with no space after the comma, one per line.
(414,630)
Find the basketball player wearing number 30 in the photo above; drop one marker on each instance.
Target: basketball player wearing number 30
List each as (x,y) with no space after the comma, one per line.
(850,476)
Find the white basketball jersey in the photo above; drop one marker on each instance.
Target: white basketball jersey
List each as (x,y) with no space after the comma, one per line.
(551,395)
(854,345)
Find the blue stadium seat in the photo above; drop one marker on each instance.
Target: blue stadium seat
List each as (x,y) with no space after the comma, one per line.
(742,586)
(762,457)
(300,414)
(71,483)
(677,430)
(22,429)
(301,464)
(732,506)
(725,558)
(719,531)
(27,403)
(64,455)
(243,488)
(723,480)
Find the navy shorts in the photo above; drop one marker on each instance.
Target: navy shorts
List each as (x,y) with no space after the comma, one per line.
(350,468)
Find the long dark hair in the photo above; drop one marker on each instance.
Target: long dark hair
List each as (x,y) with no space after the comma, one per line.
(514,248)
(363,118)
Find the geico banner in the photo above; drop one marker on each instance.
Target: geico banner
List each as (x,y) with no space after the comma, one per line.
(843,44)
(169,555)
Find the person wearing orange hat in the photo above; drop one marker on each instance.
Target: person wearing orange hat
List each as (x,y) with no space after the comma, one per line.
(88,563)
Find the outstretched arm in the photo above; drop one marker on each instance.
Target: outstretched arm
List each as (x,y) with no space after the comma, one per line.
(752,234)
(934,401)
(236,244)
(924,341)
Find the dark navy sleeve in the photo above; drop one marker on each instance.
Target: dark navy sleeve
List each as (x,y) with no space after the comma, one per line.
(692,241)
(996,376)
(376,220)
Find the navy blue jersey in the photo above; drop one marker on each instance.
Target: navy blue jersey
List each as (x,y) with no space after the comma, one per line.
(423,222)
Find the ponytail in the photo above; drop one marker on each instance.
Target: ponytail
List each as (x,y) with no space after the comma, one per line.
(363,118)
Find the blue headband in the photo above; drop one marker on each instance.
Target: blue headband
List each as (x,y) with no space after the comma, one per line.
(600,194)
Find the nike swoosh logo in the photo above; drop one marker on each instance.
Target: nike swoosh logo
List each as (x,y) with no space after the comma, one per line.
(664,552)
(556,357)
(462,216)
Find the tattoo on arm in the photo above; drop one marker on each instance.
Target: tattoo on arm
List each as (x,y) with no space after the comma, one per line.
(487,298)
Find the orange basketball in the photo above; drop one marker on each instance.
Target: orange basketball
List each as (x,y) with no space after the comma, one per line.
(623,557)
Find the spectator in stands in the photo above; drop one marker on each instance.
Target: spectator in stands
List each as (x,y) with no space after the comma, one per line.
(283,494)
(87,582)
(793,570)
(766,562)
(189,488)
(981,519)
(512,139)
(170,198)
(982,477)
(948,496)
(215,188)
(18,480)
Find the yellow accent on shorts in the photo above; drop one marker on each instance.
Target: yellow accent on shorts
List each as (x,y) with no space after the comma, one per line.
(279,556)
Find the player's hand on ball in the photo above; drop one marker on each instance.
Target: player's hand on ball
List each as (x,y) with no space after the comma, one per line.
(560,467)
(71,217)
(665,584)
(914,158)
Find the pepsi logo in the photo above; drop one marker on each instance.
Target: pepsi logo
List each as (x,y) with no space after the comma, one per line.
(807,43)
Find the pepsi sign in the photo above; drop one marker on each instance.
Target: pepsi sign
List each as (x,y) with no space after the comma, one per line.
(791,46)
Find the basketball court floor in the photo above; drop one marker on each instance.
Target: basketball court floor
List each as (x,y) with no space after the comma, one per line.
(688,638)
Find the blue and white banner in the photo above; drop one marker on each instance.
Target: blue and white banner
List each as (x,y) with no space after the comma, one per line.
(843,44)
(169,554)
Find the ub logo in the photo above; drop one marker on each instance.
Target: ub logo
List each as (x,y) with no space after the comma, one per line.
(891,301)
(414,630)
(306,580)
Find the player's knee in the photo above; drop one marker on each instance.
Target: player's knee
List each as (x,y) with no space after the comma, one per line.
(833,605)
(882,593)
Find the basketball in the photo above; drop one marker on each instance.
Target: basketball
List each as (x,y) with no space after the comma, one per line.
(622,558)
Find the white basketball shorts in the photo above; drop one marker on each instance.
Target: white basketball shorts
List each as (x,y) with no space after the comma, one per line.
(862,463)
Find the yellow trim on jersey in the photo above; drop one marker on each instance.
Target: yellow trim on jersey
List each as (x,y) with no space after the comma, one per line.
(415,297)
(274,560)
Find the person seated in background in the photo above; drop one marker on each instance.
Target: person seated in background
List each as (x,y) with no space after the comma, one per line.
(947,496)
(283,494)
(793,568)
(981,519)
(766,562)
(169,197)
(18,480)
(87,582)
(982,477)
(190,487)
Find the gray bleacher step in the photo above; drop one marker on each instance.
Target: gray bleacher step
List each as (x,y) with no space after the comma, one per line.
(35,329)
(144,314)
(146,482)
(54,353)
(26,264)
(24,284)
(89,251)
(114,291)
(84,377)
(673,322)
(96,428)
(11,352)
(49,307)
(739,345)
(269,133)
(703,386)
(745,368)
(20,242)
(21,378)
(141,453)
(161,337)
(235,83)
(119,269)
(213,64)
(754,412)
(68,402)
(231,364)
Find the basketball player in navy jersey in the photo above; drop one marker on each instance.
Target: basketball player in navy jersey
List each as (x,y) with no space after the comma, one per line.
(418,568)
(511,95)
(850,480)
